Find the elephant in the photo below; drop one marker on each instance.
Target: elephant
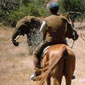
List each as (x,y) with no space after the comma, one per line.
(28,25)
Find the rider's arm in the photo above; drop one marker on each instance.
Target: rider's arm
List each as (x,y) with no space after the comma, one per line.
(43,26)
(44,35)
(43,29)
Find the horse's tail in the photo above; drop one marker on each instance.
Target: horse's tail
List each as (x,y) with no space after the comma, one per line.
(52,65)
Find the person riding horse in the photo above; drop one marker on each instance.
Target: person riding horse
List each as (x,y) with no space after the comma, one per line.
(53,34)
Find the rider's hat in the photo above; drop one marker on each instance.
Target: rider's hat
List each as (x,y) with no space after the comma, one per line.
(54,7)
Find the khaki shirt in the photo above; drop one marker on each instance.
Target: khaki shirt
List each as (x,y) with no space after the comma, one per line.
(56,27)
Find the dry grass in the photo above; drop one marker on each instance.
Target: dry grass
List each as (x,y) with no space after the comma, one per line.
(16,65)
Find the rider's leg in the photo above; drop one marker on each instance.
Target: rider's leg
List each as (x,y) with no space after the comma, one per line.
(37,59)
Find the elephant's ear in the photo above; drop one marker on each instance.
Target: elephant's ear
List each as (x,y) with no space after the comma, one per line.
(35,22)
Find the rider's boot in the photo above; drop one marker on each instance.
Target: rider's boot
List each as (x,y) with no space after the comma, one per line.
(33,76)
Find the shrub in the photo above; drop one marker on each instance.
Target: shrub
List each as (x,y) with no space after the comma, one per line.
(25,10)
(72,5)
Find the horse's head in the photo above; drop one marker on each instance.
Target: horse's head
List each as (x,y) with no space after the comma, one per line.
(70,30)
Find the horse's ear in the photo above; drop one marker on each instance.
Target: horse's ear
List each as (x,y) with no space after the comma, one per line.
(67,15)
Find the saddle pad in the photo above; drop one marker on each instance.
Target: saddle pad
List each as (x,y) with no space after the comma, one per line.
(45,51)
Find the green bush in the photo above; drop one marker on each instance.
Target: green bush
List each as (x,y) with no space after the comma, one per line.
(25,10)
(72,5)
(36,8)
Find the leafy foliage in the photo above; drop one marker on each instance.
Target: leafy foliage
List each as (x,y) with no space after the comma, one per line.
(28,9)
(37,8)
(72,5)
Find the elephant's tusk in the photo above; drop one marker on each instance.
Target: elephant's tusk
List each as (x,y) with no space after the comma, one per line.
(17,37)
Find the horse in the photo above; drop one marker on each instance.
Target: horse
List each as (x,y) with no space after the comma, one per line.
(58,61)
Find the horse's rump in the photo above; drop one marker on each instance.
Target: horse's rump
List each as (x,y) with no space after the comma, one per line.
(54,61)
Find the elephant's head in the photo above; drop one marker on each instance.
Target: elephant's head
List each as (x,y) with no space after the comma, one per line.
(17,32)
(24,26)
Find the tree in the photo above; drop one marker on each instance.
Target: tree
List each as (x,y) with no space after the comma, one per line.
(72,5)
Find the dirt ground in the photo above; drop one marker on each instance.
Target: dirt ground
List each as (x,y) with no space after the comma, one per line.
(16,65)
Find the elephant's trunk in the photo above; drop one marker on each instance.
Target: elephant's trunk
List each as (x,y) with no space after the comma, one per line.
(15,36)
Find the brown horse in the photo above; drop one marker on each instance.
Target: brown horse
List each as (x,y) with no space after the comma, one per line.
(59,61)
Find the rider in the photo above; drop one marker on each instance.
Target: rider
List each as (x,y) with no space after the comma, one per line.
(47,40)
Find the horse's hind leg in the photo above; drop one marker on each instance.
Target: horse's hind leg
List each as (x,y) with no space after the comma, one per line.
(68,80)
(48,81)
(69,66)
(57,81)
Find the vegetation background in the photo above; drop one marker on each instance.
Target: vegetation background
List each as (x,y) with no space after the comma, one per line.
(16,65)
(13,10)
